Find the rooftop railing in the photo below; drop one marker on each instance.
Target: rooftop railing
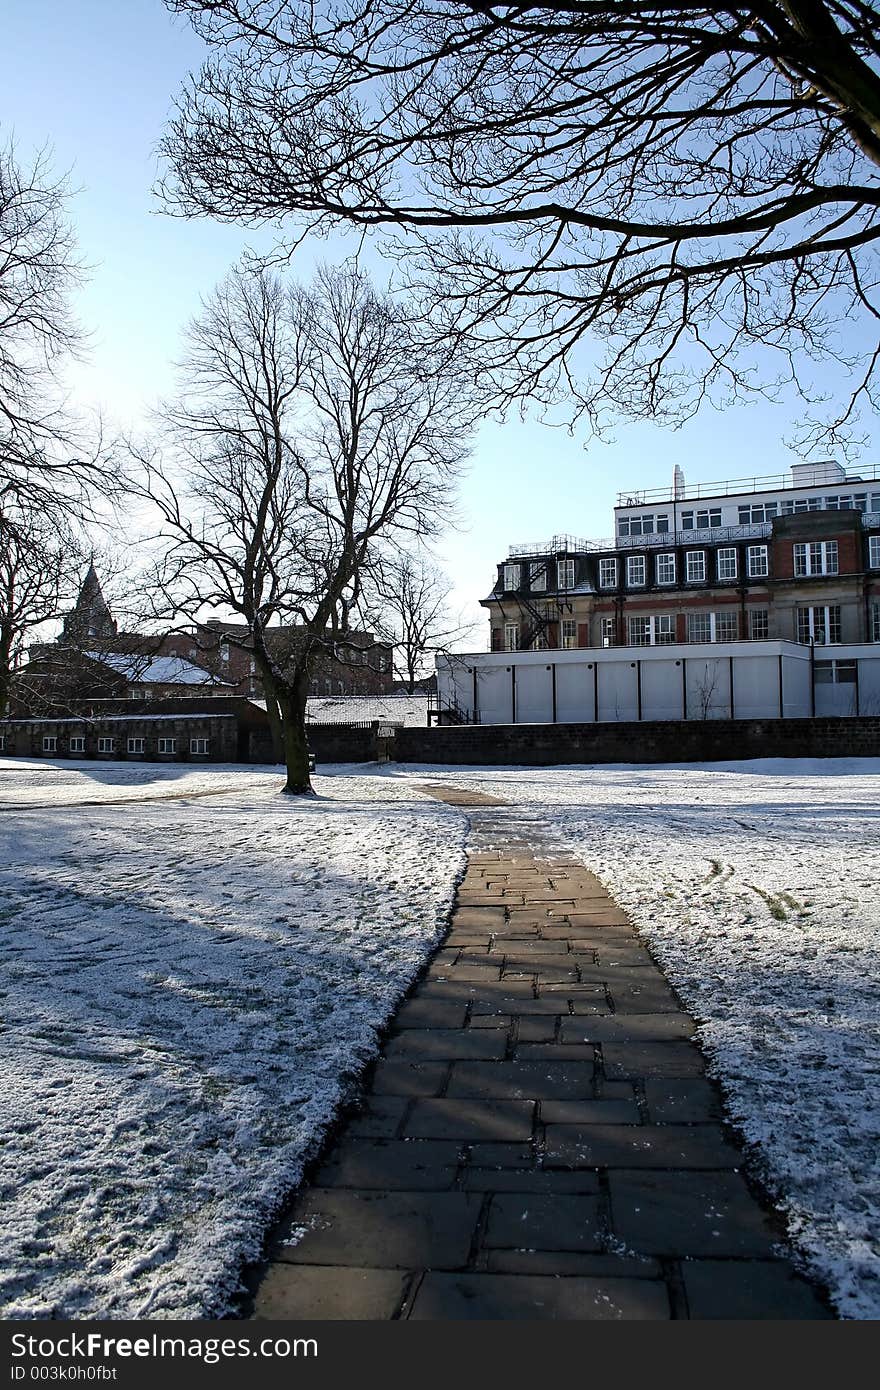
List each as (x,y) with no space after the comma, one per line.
(732,487)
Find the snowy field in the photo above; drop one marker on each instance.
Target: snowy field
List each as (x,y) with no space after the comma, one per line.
(758,886)
(191,983)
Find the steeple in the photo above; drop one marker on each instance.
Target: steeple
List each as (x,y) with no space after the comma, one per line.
(90,620)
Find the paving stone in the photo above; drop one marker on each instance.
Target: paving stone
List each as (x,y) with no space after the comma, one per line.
(537,1029)
(639,1146)
(557,967)
(485,899)
(542,974)
(509,1297)
(547,1181)
(517,1006)
(501,1021)
(433,1044)
(471,1119)
(409,1078)
(534,946)
(465,972)
(483,918)
(379,1119)
(474,992)
(567,1262)
(501,1155)
(653,999)
(535,1222)
(631,1028)
(590,1112)
(554,1052)
(392,1230)
(431,1013)
(522,1080)
(318,1293)
(682,1102)
(688,1214)
(586,915)
(651,1059)
(749,1289)
(415,1165)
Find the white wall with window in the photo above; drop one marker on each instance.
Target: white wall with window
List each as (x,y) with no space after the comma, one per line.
(636,571)
(816,557)
(648,524)
(836,687)
(701,519)
(665,571)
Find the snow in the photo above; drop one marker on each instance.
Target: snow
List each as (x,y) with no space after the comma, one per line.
(756,885)
(158,670)
(411,710)
(189,993)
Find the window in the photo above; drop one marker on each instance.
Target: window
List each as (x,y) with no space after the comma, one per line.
(224,652)
(874,623)
(758,561)
(167,745)
(696,566)
(835,672)
(511,637)
(726,561)
(756,512)
(198,745)
(701,520)
(511,576)
(193,652)
(607,574)
(699,627)
(539,642)
(538,576)
(759,624)
(106,745)
(650,632)
(666,568)
(819,557)
(565,574)
(874,552)
(50,743)
(2,743)
(609,632)
(253,667)
(713,627)
(726,627)
(569,633)
(819,624)
(635,571)
(136,745)
(77,744)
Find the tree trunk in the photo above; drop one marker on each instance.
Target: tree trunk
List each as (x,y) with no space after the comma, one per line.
(292,706)
(275,729)
(5,669)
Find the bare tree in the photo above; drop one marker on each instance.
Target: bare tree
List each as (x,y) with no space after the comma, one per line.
(314,434)
(695,185)
(418,619)
(48,458)
(38,569)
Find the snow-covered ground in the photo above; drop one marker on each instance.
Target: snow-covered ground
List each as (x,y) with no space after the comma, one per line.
(189,987)
(758,886)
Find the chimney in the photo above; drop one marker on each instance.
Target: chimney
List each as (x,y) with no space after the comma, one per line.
(677,483)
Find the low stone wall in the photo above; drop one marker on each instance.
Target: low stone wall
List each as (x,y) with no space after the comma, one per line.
(337,743)
(711,740)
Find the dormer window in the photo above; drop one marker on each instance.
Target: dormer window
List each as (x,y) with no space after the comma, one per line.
(511,576)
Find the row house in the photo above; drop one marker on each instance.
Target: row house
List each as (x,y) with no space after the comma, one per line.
(795,558)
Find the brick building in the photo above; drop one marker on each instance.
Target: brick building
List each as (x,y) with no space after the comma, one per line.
(794,558)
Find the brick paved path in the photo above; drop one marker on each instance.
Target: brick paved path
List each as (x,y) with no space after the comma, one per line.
(539,1139)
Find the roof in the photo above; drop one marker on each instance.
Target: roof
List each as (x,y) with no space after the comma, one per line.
(156,670)
(411,710)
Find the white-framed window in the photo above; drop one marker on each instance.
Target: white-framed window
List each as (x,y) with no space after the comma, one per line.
(106,745)
(699,627)
(538,577)
(758,624)
(569,633)
(726,561)
(819,624)
(167,745)
(609,632)
(136,745)
(703,520)
(565,574)
(874,552)
(874,623)
(756,512)
(644,525)
(77,744)
(816,557)
(835,673)
(651,632)
(695,562)
(198,745)
(713,627)
(607,574)
(511,576)
(224,651)
(758,561)
(635,571)
(539,641)
(666,568)
(726,626)
(50,743)
(511,637)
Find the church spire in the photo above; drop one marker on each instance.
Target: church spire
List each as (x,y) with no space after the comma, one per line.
(90,619)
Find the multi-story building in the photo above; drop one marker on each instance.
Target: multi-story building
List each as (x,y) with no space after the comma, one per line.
(795,558)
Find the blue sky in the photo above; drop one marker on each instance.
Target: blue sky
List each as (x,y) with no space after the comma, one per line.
(96,79)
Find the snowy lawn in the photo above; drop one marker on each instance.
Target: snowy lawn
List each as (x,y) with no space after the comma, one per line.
(756,884)
(190,985)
